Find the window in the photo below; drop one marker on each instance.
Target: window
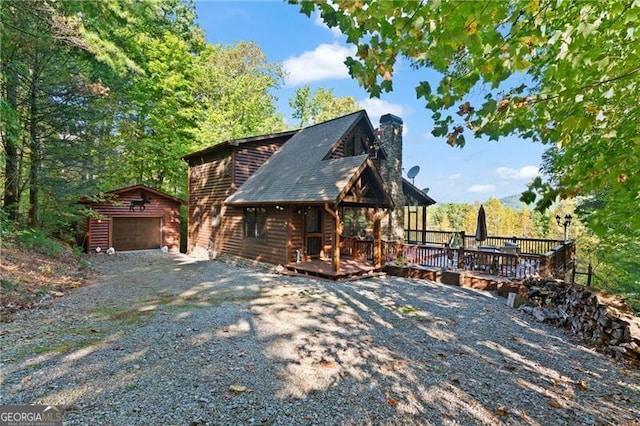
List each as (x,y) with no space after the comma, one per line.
(353,146)
(255,221)
(314,223)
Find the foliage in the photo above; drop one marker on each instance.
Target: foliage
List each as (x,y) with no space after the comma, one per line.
(234,89)
(38,241)
(98,95)
(565,74)
(27,238)
(312,107)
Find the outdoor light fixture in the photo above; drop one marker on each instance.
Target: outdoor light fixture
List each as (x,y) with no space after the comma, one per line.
(565,224)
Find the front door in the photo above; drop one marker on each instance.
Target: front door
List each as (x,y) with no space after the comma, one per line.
(313,232)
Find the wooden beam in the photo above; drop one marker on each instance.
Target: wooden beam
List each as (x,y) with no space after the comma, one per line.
(377,237)
(364,200)
(335,259)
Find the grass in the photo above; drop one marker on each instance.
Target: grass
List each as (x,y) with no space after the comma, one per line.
(129,316)
(409,310)
(67,346)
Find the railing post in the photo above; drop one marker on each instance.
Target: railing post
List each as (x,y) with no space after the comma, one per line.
(589,274)
(461,251)
(544,266)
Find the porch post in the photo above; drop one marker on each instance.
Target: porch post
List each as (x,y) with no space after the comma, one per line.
(377,237)
(377,242)
(336,238)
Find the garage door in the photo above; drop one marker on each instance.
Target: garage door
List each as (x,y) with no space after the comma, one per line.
(136,233)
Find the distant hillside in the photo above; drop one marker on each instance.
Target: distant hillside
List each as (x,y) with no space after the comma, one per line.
(513,201)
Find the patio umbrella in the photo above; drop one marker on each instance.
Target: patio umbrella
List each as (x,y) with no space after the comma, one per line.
(481,228)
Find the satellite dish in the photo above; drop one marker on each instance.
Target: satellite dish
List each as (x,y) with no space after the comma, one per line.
(413,172)
(425,190)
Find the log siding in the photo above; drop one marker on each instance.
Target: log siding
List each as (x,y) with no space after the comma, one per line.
(100,229)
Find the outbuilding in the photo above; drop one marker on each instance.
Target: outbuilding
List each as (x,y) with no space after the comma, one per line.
(133,218)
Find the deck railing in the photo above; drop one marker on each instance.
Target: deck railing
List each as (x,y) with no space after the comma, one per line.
(555,261)
(527,245)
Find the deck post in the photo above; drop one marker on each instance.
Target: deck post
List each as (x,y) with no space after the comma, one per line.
(335,259)
(461,251)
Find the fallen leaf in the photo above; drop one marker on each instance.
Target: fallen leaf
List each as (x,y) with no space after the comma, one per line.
(441,355)
(554,403)
(455,381)
(225,330)
(368,339)
(237,388)
(583,385)
(327,364)
(392,402)
(502,411)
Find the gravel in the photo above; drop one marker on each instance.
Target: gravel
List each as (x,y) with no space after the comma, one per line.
(168,339)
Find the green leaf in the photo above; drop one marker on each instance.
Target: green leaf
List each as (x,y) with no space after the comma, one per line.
(423,90)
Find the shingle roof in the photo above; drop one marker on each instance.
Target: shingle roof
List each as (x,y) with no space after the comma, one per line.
(298,173)
(237,142)
(417,194)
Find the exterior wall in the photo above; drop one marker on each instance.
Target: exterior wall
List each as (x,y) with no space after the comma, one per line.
(296,232)
(328,226)
(212,178)
(100,229)
(391,172)
(250,157)
(210,183)
(273,249)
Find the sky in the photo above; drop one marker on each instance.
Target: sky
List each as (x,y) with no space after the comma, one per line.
(312,53)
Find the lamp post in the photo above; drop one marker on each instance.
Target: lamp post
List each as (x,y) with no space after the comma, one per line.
(565,224)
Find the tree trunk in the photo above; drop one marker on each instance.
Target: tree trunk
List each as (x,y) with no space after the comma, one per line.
(10,136)
(35,148)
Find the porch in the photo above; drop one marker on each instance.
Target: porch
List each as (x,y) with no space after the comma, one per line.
(496,259)
(323,268)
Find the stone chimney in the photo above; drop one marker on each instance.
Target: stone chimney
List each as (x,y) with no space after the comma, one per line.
(391,172)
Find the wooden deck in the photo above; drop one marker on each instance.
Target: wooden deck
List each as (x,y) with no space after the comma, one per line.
(349,268)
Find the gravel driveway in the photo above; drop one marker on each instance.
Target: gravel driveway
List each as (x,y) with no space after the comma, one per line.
(167,339)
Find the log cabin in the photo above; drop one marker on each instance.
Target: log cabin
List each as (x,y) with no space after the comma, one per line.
(133,218)
(292,196)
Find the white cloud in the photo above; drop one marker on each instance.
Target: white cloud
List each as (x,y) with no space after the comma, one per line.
(317,19)
(455,176)
(526,172)
(377,107)
(323,63)
(482,188)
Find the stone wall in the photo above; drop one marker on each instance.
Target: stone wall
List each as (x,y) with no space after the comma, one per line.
(391,172)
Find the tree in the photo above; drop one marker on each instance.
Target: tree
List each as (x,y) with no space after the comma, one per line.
(579,68)
(60,62)
(322,105)
(234,88)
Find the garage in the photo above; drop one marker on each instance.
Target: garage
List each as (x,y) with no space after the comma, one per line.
(132,218)
(134,233)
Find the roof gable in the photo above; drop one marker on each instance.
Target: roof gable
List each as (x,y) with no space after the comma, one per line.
(134,188)
(300,171)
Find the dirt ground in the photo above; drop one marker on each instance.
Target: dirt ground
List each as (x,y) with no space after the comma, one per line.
(168,339)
